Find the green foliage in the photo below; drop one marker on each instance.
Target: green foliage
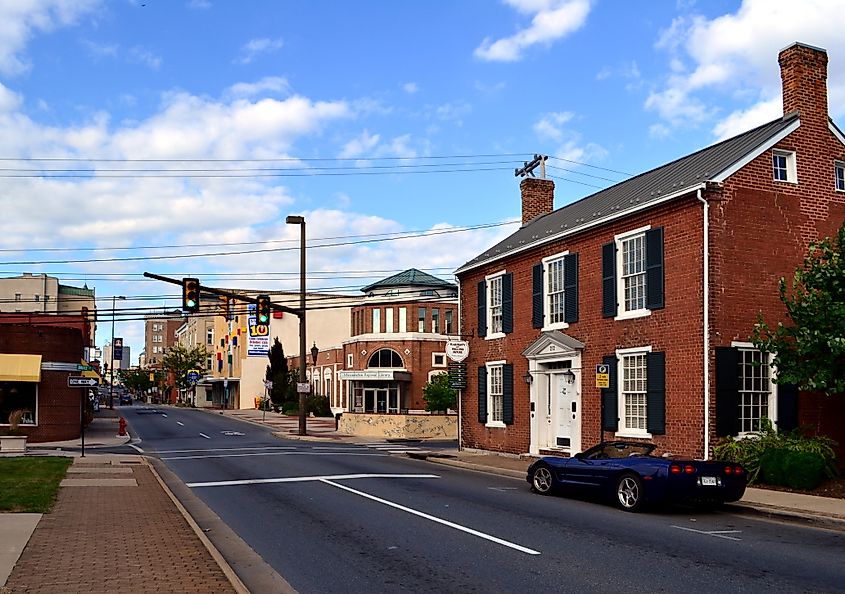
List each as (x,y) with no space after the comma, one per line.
(284,382)
(438,394)
(750,451)
(138,379)
(29,484)
(181,360)
(809,350)
(319,405)
(803,470)
(290,408)
(772,466)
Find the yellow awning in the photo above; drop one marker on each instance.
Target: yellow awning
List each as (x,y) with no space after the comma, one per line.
(90,373)
(20,368)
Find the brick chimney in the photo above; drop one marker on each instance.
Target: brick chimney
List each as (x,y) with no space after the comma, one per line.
(538,198)
(803,69)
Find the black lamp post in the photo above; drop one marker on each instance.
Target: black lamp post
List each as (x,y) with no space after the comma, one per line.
(314,352)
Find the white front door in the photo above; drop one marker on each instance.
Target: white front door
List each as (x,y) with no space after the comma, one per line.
(566,411)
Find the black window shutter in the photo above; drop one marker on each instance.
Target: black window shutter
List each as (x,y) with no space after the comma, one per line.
(787,407)
(507,303)
(507,394)
(537,296)
(610,399)
(656,393)
(727,391)
(482,394)
(608,279)
(482,308)
(654,268)
(570,288)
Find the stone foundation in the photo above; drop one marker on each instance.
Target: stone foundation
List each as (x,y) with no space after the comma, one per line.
(419,426)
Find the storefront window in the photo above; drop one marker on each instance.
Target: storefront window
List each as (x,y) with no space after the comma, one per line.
(18,396)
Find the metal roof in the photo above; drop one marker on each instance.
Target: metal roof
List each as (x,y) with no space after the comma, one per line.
(674,179)
(410,277)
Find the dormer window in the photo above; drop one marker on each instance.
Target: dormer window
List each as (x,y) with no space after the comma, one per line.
(783,166)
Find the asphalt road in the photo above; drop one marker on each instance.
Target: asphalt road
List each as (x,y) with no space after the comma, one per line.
(352,518)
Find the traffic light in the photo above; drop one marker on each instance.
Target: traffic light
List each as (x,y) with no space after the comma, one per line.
(191,295)
(262,314)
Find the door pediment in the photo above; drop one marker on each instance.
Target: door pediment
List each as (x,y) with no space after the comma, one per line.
(552,345)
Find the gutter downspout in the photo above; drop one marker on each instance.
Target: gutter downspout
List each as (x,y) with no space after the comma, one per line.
(706,321)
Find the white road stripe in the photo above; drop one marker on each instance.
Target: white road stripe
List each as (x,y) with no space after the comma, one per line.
(132,445)
(205,436)
(228,449)
(294,453)
(305,479)
(164,415)
(713,533)
(180,423)
(435,519)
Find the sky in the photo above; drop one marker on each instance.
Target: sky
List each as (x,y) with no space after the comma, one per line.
(175,136)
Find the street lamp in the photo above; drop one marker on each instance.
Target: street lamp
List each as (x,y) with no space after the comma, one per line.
(299,220)
(314,352)
(111,369)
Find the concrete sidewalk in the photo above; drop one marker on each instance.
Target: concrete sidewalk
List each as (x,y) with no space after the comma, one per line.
(102,432)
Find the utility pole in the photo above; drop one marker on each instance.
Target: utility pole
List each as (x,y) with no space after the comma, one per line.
(528,167)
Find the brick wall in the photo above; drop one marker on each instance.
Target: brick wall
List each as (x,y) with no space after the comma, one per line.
(538,196)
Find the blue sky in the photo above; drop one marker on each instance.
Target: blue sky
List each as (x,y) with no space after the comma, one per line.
(185,127)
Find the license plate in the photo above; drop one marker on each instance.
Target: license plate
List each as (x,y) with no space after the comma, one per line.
(708,481)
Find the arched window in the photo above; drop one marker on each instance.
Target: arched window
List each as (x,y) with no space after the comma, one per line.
(385,358)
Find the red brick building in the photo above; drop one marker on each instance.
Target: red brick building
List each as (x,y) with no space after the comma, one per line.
(37,354)
(627,314)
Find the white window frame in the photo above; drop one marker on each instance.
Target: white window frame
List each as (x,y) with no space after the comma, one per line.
(772,397)
(388,320)
(376,321)
(624,430)
(499,366)
(790,167)
(620,240)
(209,336)
(839,176)
(434,373)
(403,320)
(490,280)
(442,357)
(548,263)
(349,360)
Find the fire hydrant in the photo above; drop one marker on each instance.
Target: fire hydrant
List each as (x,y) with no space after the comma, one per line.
(121,424)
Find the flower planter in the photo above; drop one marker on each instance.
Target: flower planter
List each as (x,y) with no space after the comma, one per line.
(13,444)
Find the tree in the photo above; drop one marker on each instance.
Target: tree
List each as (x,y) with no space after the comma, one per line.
(137,380)
(277,372)
(438,394)
(179,360)
(809,349)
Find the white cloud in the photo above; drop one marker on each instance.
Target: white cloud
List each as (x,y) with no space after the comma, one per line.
(21,19)
(145,56)
(735,55)
(273,84)
(410,88)
(551,20)
(359,146)
(256,47)
(550,125)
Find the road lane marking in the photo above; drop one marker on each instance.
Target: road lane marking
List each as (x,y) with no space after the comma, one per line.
(180,423)
(296,453)
(132,445)
(409,510)
(305,479)
(228,449)
(713,533)
(164,415)
(205,436)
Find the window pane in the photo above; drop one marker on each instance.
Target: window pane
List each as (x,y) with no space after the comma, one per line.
(554,291)
(421,320)
(435,321)
(755,389)
(633,272)
(447,321)
(634,378)
(496,305)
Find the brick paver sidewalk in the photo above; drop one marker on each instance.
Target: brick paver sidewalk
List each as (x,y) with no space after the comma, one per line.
(100,539)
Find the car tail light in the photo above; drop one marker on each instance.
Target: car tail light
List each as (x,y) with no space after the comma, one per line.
(689,469)
(675,469)
(729,470)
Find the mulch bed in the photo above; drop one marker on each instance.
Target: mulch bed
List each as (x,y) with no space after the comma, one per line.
(831,488)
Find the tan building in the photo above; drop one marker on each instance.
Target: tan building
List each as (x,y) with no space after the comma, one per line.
(31,293)
(160,335)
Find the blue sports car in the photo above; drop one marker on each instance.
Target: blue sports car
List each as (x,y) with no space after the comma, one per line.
(626,473)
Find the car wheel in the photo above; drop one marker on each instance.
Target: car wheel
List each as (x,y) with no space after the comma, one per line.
(542,481)
(629,492)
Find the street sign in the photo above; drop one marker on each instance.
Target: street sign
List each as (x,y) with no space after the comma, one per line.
(117,350)
(80,367)
(74,381)
(303,387)
(457,350)
(193,376)
(602,376)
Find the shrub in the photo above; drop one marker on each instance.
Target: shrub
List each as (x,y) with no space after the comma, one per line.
(290,408)
(749,450)
(772,466)
(319,405)
(803,470)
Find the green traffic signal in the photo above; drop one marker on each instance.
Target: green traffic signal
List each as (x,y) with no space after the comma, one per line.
(191,294)
(262,313)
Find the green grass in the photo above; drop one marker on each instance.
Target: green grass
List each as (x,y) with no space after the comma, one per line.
(30,484)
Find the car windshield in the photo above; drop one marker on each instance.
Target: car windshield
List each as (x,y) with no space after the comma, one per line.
(620,450)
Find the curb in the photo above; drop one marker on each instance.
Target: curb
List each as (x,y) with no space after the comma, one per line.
(517,474)
(787,515)
(227,570)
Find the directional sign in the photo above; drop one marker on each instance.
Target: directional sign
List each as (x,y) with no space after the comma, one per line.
(193,376)
(80,367)
(74,381)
